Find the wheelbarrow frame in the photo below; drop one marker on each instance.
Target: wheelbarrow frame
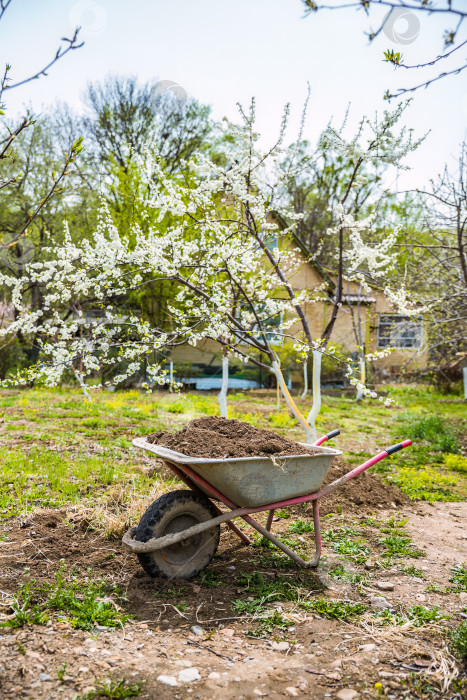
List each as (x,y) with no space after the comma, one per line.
(197,483)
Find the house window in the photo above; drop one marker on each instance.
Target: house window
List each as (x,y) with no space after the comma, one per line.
(399,331)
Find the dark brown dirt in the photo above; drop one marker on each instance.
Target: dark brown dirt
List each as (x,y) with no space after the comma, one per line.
(320,658)
(218,437)
(363,493)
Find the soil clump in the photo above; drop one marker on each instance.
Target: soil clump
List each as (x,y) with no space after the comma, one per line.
(213,437)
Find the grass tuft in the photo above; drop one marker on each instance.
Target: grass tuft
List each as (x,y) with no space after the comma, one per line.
(84,604)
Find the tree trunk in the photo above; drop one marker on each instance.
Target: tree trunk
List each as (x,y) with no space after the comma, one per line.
(171,375)
(222,397)
(79,379)
(315,409)
(362,378)
(305,381)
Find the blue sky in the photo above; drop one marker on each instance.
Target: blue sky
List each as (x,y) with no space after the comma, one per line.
(223,52)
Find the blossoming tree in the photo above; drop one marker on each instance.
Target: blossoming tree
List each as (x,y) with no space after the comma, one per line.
(222,246)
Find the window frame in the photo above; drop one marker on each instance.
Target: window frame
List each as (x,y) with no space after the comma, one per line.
(398,346)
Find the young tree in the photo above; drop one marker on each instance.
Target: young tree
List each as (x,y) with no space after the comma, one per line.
(438,269)
(215,239)
(20,210)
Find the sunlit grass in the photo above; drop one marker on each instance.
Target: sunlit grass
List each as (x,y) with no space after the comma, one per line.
(57,448)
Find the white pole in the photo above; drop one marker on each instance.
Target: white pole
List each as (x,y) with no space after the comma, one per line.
(362,378)
(315,409)
(464,370)
(305,381)
(171,375)
(222,397)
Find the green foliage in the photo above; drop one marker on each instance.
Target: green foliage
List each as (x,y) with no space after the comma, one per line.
(83,604)
(432,429)
(268,623)
(61,672)
(299,527)
(25,611)
(176,407)
(396,545)
(459,640)
(113,689)
(281,420)
(420,615)
(340,574)
(335,609)
(459,577)
(425,484)
(413,571)
(210,579)
(355,549)
(455,462)
(392,56)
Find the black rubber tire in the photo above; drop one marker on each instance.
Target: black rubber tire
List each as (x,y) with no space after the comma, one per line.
(174,512)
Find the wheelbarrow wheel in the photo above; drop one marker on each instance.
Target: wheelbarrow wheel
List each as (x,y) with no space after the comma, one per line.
(174,512)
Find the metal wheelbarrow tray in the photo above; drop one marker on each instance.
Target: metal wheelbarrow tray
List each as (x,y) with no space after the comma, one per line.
(179,533)
(254,481)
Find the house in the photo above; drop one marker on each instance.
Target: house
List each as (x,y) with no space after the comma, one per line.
(363,319)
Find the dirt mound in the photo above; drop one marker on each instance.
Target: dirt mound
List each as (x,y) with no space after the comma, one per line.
(366,491)
(218,437)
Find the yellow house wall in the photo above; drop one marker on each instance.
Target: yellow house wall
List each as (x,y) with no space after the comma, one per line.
(317,314)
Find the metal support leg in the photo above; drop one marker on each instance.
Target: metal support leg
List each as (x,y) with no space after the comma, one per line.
(269,522)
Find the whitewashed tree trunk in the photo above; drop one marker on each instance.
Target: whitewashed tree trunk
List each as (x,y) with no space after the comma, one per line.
(362,378)
(315,409)
(305,381)
(291,403)
(79,378)
(171,375)
(464,370)
(222,397)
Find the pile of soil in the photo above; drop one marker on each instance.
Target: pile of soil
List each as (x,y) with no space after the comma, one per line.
(218,437)
(364,493)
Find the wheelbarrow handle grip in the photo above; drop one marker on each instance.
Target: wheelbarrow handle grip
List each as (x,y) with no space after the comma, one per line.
(328,436)
(398,446)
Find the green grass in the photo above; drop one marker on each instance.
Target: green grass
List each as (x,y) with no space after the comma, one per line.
(459,578)
(413,571)
(299,527)
(112,689)
(425,484)
(83,604)
(56,448)
(50,479)
(340,574)
(210,579)
(282,420)
(431,429)
(397,545)
(335,609)
(455,462)
(419,615)
(459,640)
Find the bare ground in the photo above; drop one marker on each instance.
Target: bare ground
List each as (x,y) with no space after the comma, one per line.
(318,658)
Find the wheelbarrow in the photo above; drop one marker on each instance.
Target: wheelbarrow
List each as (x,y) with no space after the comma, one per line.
(178,534)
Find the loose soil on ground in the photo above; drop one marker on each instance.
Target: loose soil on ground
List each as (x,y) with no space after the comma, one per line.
(311,657)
